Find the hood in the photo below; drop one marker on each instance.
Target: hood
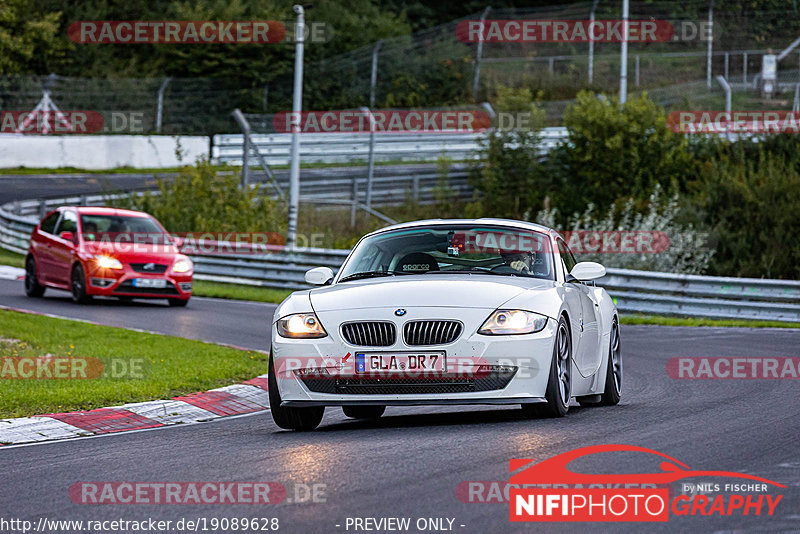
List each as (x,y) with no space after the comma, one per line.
(459,291)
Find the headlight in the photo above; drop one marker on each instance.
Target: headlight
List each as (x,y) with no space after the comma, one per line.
(301,325)
(107,262)
(183,265)
(513,322)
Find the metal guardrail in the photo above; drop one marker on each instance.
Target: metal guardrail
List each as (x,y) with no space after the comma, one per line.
(342,148)
(388,188)
(633,291)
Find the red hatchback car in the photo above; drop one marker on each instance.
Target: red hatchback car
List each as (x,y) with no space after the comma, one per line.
(107,251)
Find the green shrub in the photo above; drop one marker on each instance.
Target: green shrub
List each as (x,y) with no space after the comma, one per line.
(751,199)
(200,200)
(615,152)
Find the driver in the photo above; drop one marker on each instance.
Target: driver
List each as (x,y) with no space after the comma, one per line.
(89,230)
(521,262)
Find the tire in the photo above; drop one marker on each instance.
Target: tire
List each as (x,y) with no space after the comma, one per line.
(32,286)
(178,303)
(559,382)
(78,284)
(286,417)
(364,412)
(613,389)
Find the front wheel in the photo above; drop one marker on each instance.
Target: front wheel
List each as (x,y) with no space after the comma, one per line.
(287,417)
(79,285)
(32,286)
(613,389)
(559,383)
(364,412)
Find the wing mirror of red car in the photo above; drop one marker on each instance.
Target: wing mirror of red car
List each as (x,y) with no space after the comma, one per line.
(66,236)
(177,241)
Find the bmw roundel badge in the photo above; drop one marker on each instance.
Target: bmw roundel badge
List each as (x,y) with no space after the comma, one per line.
(400,312)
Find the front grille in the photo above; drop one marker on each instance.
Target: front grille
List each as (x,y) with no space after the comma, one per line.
(418,333)
(369,333)
(128,287)
(155,268)
(483,381)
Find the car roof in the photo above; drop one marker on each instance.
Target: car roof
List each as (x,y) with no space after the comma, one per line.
(102,210)
(509,223)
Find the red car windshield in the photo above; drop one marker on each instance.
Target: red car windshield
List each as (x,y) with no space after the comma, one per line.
(121,228)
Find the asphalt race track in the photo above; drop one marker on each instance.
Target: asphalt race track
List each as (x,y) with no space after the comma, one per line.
(412,461)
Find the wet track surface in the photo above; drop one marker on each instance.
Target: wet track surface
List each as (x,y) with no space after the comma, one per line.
(411,462)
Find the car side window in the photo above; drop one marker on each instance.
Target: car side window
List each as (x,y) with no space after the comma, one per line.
(567,258)
(69,223)
(48,224)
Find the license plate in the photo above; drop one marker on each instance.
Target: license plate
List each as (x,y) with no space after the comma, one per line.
(152,283)
(410,363)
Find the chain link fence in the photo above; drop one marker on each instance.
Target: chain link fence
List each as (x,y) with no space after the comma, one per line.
(438,67)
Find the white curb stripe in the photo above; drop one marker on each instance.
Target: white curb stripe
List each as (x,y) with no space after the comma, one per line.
(169,412)
(250,393)
(24,429)
(11,273)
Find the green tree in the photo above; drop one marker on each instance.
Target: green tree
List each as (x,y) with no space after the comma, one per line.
(29,38)
(614,153)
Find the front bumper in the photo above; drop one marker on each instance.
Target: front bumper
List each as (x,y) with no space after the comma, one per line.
(119,283)
(511,369)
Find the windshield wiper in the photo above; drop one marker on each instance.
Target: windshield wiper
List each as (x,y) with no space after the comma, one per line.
(370,274)
(470,271)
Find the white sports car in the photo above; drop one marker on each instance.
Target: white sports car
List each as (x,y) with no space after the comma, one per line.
(483,311)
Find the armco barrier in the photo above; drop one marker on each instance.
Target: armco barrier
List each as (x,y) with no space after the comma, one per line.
(634,291)
(341,147)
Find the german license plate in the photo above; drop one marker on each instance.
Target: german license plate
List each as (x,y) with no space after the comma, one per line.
(410,362)
(150,283)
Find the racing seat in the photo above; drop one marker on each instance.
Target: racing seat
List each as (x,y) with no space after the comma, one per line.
(417,262)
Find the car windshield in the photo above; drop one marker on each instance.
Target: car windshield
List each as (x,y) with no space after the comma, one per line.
(463,249)
(122,228)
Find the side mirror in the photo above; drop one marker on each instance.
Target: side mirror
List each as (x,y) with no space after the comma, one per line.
(319,276)
(588,270)
(66,236)
(177,241)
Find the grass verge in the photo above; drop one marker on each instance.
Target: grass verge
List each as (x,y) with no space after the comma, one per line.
(699,321)
(11,258)
(148,366)
(203,288)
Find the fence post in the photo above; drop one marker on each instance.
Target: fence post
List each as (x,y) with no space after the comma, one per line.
(371,162)
(727,59)
(160,109)
(727,88)
(354,205)
(744,67)
(591,41)
(637,70)
(623,62)
(415,188)
(245,126)
(297,108)
(373,79)
(710,41)
(476,76)
(551,65)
